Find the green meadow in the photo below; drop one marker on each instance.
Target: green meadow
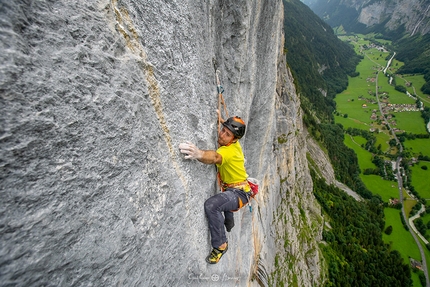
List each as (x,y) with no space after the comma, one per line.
(358,140)
(377,57)
(350,122)
(418,146)
(394,97)
(417,82)
(382,139)
(385,188)
(411,122)
(364,157)
(400,239)
(418,174)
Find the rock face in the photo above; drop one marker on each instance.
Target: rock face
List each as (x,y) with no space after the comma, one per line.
(412,15)
(95,98)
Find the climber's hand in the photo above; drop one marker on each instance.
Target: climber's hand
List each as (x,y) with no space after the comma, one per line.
(190,151)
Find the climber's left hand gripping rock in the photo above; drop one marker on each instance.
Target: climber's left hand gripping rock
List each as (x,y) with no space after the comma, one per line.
(190,151)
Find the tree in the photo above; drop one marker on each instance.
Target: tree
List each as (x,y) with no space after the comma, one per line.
(421,227)
(388,230)
(400,88)
(392,142)
(422,279)
(355,251)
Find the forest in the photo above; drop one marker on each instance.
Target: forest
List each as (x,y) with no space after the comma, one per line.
(355,251)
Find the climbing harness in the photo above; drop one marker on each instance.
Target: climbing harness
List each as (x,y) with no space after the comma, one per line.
(251,182)
(238,185)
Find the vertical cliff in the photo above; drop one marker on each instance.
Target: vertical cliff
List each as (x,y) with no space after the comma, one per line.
(95,98)
(396,15)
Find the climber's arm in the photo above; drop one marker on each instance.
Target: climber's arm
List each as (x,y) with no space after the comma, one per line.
(204,156)
(210,157)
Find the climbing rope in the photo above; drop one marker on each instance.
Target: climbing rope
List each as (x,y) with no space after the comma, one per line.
(220,90)
(221,101)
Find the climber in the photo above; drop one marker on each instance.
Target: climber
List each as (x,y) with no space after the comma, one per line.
(230,162)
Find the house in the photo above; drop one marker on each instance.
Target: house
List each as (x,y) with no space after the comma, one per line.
(394,201)
(415,264)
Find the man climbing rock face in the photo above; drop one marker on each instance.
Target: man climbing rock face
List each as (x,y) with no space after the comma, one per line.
(230,162)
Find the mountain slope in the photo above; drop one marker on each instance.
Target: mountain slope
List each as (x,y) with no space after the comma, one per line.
(392,17)
(319,60)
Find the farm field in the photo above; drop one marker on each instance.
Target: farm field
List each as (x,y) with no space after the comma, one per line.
(408,203)
(418,174)
(385,188)
(400,239)
(411,122)
(418,146)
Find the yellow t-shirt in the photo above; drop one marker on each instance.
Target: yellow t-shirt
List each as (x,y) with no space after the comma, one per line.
(232,169)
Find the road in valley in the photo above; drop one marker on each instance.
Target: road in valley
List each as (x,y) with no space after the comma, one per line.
(409,223)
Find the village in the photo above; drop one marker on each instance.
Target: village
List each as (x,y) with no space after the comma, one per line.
(387,110)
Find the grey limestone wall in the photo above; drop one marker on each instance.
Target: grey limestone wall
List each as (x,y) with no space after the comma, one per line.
(95,97)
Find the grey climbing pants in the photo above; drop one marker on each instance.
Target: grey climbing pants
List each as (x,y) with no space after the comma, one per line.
(218,204)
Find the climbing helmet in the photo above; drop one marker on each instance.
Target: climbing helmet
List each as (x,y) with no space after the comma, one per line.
(236,125)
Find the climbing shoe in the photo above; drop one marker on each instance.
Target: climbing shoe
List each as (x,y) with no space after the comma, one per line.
(216,255)
(229,224)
